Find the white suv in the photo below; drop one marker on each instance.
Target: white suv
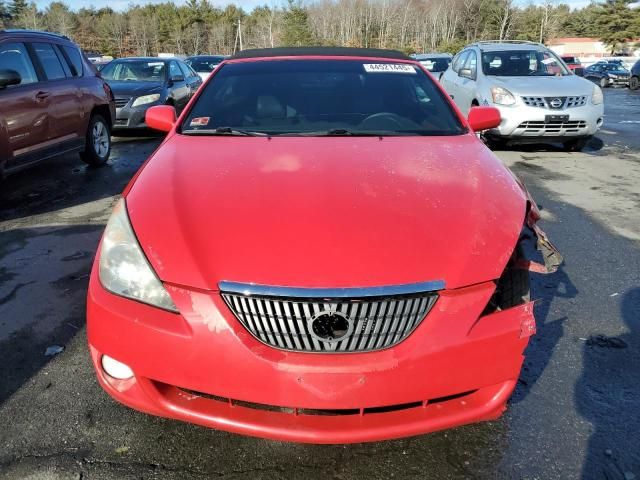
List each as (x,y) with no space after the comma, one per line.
(539,98)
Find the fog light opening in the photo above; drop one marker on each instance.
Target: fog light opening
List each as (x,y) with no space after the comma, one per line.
(116,369)
(600,121)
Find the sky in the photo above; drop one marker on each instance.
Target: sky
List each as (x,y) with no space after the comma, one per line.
(247,5)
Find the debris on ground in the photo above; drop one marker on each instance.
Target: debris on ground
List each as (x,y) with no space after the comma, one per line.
(53,350)
(606,342)
(122,450)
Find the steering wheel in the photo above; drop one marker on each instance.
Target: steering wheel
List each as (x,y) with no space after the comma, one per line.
(383,121)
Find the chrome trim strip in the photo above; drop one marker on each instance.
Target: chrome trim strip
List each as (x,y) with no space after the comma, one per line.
(350,292)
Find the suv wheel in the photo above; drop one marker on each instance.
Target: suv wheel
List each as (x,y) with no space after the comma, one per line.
(98,143)
(604,83)
(575,145)
(634,83)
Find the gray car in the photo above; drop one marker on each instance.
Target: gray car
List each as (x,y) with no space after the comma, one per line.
(539,98)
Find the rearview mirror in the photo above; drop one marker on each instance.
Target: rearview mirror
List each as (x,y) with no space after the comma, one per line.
(579,71)
(483,118)
(176,79)
(466,73)
(9,77)
(161,117)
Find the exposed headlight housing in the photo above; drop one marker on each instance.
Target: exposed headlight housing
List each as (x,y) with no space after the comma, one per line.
(596,95)
(124,270)
(502,96)
(154,97)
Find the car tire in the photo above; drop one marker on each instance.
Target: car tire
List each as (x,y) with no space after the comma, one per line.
(514,288)
(575,145)
(634,83)
(604,83)
(98,142)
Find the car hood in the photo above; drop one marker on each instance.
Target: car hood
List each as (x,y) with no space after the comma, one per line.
(326,212)
(134,89)
(569,85)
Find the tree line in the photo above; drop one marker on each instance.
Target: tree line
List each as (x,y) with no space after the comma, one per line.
(407,25)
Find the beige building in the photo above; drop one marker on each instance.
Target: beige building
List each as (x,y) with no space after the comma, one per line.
(589,47)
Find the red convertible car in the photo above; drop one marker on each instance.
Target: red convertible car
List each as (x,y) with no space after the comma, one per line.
(321,250)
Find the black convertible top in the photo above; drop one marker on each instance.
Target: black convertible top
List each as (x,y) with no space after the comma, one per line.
(320,51)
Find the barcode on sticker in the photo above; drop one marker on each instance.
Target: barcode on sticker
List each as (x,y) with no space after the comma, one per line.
(388,67)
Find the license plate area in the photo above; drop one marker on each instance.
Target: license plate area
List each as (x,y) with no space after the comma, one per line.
(556,118)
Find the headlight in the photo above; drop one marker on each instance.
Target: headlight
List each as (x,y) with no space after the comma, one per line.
(154,97)
(502,96)
(613,76)
(596,96)
(124,270)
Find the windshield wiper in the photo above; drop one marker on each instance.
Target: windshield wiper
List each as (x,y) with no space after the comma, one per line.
(343,132)
(224,131)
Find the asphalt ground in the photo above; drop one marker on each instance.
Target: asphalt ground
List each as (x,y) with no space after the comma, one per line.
(575,413)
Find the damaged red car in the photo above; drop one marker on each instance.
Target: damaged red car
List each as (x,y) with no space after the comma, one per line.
(321,250)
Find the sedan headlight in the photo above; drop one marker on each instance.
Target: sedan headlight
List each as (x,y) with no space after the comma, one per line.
(502,96)
(124,270)
(596,96)
(154,97)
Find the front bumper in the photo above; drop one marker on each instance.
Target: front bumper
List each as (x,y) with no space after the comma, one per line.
(522,122)
(129,117)
(203,367)
(619,82)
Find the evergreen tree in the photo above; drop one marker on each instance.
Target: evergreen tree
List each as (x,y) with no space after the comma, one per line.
(617,23)
(5,16)
(18,7)
(296,31)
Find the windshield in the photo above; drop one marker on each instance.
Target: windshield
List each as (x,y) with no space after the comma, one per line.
(322,97)
(136,71)
(570,59)
(613,67)
(522,63)
(435,64)
(204,65)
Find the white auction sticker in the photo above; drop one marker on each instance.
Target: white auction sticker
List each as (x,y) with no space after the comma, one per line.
(389,68)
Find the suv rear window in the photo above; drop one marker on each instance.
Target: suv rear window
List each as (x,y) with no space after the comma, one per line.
(75,58)
(319,96)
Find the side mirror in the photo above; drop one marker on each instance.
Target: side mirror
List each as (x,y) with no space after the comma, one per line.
(9,77)
(466,73)
(579,71)
(161,117)
(176,79)
(483,118)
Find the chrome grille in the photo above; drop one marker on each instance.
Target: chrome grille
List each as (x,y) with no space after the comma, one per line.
(534,101)
(545,102)
(551,128)
(288,322)
(122,101)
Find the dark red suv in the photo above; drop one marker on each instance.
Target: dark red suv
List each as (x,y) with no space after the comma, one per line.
(52,101)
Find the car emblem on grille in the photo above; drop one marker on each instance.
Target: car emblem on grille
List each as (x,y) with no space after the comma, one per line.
(330,326)
(556,103)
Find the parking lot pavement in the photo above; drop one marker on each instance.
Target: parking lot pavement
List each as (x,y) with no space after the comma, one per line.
(574,414)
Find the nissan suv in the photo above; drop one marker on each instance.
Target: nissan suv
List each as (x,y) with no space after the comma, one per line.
(53,101)
(539,98)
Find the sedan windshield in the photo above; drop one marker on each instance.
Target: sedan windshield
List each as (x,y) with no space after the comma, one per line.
(136,71)
(204,65)
(436,64)
(321,97)
(522,63)
(614,67)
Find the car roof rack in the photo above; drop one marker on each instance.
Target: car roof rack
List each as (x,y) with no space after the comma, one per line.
(508,42)
(35,32)
(320,51)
